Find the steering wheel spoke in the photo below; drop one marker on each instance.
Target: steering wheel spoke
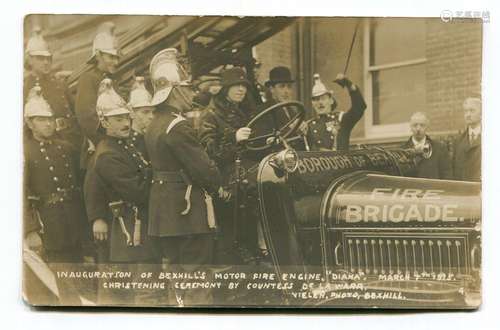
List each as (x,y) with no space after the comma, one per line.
(289,128)
(262,137)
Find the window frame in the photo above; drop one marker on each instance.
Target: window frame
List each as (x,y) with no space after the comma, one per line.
(387,130)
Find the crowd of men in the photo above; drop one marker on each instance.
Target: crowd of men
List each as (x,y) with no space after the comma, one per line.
(147,180)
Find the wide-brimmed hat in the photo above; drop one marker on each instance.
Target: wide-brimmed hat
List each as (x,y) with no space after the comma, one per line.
(202,83)
(166,72)
(319,88)
(37,46)
(36,105)
(279,74)
(139,95)
(234,76)
(109,103)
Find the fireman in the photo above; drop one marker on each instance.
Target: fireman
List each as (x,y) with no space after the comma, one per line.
(181,216)
(55,212)
(55,90)
(330,129)
(104,61)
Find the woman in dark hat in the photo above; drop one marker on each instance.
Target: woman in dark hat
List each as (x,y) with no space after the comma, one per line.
(223,127)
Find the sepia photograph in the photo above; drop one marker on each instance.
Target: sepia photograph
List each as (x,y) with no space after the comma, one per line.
(252,161)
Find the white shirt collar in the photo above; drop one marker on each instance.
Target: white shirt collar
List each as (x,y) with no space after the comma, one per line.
(418,143)
(476,131)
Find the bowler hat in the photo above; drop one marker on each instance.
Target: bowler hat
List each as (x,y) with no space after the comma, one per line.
(279,74)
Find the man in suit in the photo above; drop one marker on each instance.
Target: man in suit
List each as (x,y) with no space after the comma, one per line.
(438,164)
(467,147)
(280,89)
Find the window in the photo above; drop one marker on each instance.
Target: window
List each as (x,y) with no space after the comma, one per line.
(394,52)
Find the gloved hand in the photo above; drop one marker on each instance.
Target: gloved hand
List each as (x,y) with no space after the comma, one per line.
(33,241)
(243,134)
(224,194)
(343,81)
(100,229)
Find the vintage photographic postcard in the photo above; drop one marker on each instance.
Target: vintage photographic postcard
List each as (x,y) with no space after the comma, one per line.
(219,161)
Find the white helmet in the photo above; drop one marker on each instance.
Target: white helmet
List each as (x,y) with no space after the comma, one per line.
(139,95)
(36,105)
(166,72)
(109,103)
(105,40)
(319,88)
(37,46)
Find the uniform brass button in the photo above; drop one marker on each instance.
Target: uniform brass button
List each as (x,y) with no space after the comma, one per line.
(51,168)
(59,147)
(58,189)
(61,200)
(161,182)
(56,178)
(329,129)
(315,131)
(47,158)
(332,137)
(120,142)
(42,150)
(70,176)
(319,141)
(67,165)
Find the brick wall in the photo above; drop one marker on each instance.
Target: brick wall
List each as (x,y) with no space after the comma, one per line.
(453,70)
(275,51)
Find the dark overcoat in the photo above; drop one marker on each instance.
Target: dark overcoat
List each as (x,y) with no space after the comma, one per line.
(121,174)
(178,160)
(467,158)
(438,166)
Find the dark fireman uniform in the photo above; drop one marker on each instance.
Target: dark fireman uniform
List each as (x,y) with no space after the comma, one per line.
(178,162)
(120,174)
(53,193)
(332,131)
(85,105)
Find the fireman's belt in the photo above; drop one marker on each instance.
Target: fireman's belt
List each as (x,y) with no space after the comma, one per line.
(61,196)
(63,123)
(167,176)
(163,177)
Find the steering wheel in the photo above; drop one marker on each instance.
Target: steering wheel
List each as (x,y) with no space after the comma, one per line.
(292,125)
